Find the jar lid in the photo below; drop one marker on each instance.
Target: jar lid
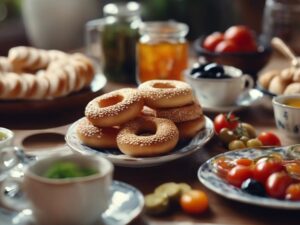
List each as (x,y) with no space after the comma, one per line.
(164,29)
(122,9)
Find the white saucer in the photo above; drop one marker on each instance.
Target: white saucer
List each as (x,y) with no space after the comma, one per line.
(247,99)
(126,204)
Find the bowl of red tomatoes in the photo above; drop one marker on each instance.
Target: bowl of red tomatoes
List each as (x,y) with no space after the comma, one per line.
(238,46)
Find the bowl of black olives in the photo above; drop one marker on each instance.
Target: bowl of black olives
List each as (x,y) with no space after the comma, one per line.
(217,85)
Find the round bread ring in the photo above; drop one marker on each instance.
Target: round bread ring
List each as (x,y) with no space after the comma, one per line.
(147,111)
(189,129)
(166,93)
(96,137)
(114,108)
(180,114)
(131,140)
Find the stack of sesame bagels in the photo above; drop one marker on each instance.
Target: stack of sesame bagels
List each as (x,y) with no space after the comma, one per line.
(142,122)
(30,73)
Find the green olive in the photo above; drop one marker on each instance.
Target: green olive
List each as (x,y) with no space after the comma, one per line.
(236,144)
(250,130)
(252,143)
(244,139)
(227,135)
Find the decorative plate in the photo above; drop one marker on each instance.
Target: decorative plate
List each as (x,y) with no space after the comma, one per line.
(212,181)
(126,204)
(118,158)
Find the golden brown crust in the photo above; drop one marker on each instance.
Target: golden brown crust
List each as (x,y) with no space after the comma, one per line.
(189,129)
(292,89)
(147,136)
(277,86)
(265,79)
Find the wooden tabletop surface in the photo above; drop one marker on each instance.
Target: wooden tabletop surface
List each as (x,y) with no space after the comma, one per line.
(221,210)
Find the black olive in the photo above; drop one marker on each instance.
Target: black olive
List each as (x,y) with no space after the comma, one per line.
(214,68)
(198,68)
(253,187)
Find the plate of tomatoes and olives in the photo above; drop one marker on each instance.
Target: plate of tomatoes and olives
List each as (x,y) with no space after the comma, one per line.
(263,177)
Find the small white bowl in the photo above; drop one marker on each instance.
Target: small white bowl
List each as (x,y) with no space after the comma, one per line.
(9,137)
(220,92)
(287,117)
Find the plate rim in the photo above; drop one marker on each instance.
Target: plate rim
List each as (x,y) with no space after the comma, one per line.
(275,203)
(128,161)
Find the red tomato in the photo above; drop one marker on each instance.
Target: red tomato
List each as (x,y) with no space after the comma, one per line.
(229,121)
(293,192)
(238,174)
(277,184)
(243,161)
(265,167)
(212,40)
(250,47)
(269,139)
(194,201)
(227,46)
(223,166)
(240,35)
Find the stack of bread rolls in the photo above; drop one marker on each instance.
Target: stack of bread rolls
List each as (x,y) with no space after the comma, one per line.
(286,81)
(30,73)
(147,121)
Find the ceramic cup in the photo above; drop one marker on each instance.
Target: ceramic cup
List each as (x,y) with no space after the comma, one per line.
(287,117)
(6,137)
(75,201)
(220,92)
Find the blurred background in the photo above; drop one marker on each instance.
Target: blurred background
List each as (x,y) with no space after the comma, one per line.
(60,24)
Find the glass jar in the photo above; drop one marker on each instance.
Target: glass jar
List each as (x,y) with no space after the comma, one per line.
(282,19)
(162,51)
(113,39)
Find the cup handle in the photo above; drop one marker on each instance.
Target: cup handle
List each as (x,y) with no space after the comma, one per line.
(248,79)
(92,38)
(11,194)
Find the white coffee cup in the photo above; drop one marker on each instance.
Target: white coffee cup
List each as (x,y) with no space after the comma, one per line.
(220,91)
(76,201)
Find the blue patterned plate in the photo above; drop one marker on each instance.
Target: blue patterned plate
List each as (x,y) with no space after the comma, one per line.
(126,204)
(118,158)
(212,181)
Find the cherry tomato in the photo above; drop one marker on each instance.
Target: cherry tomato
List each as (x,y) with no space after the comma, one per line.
(293,192)
(265,167)
(194,201)
(229,121)
(227,46)
(243,161)
(277,183)
(293,168)
(250,47)
(269,139)
(212,40)
(238,174)
(223,165)
(240,35)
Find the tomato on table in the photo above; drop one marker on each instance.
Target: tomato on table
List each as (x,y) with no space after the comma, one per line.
(211,41)
(277,184)
(229,121)
(238,174)
(269,139)
(265,167)
(241,35)
(243,161)
(194,201)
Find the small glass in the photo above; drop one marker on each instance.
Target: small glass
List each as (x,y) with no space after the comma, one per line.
(162,51)
(112,40)
(282,19)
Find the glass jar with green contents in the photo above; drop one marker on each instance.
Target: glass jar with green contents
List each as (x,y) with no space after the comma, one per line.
(112,40)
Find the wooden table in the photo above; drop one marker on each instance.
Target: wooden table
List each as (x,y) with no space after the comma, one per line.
(221,210)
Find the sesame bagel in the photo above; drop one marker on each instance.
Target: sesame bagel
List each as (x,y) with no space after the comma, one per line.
(166,93)
(96,137)
(189,129)
(147,136)
(114,108)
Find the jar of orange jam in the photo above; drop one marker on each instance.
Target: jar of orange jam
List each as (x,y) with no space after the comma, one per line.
(162,51)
